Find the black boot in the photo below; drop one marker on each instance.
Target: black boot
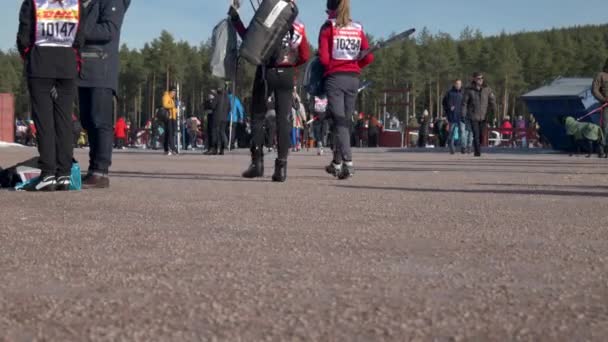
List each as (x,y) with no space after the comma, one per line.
(256,169)
(211,152)
(280,171)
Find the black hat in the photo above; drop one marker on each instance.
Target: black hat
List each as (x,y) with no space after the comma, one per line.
(172,89)
(332,5)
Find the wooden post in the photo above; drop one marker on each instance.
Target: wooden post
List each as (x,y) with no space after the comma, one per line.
(153,93)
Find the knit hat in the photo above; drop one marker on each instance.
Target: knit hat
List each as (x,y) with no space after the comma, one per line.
(332,5)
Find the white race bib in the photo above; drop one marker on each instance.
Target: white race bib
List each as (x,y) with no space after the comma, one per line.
(56,22)
(347,42)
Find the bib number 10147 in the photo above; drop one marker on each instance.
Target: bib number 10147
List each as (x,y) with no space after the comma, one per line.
(57,29)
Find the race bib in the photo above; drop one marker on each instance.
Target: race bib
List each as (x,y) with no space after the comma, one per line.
(56,22)
(290,44)
(347,42)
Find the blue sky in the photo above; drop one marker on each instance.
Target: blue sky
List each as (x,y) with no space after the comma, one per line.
(193,20)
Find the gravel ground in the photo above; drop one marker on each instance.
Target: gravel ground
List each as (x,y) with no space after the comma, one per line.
(418,246)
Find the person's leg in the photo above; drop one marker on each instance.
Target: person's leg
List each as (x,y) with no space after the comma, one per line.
(336,108)
(468,136)
(166,136)
(273,132)
(605,126)
(85,101)
(282,80)
(351,91)
(324,131)
(452,136)
(476,125)
(299,138)
(66,91)
(463,136)
(173,140)
(216,135)
(42,113)
(293,134)
(259,106)
(224,137)
(193,138)
(258,109)
(209,130)
(102,126)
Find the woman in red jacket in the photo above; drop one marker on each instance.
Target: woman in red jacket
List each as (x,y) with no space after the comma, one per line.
(341,42)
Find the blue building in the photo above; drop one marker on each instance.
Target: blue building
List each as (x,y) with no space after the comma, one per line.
(563,97)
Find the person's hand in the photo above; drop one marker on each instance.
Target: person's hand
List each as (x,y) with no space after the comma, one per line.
(452,108)
(233,12)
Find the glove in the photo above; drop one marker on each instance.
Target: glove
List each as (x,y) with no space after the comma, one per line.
(233,13)
(54,94)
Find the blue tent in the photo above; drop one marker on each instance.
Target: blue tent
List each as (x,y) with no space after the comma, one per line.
(564,96)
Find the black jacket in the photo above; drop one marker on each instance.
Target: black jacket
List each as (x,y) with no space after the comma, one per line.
(46,61)
(453,98)
(103,22)
(222,107)
(477,103)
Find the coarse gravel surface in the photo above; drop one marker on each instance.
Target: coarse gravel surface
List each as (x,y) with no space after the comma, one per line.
(417,246)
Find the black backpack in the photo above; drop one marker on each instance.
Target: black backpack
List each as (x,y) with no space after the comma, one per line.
(162,114)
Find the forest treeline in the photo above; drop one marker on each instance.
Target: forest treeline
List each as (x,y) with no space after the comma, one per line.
(426,65)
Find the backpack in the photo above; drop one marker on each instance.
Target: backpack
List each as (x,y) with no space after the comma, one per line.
(268,28)
(224,50)
(313,78)
(162,114)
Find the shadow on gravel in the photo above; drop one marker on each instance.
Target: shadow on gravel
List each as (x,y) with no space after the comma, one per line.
(464,170)
(181,176)
(565,186)
(481,191)
(499,162)
(200,176)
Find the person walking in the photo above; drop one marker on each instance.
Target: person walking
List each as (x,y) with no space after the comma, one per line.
(219,140)
(477,101)
(341,42)
(50,47)
(452,105)
(276,77)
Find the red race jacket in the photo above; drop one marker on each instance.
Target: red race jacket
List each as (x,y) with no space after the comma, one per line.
(339,48)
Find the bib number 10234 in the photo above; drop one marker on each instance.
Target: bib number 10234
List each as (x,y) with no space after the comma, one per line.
(348,44)
(57,29)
